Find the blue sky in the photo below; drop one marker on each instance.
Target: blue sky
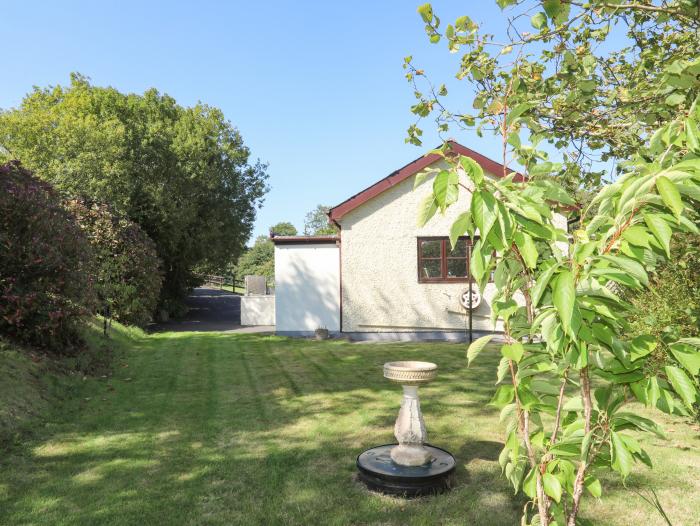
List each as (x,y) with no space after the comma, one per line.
(316,88)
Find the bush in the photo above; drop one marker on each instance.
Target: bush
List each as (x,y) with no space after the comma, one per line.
(126,268)
(670,308)
(45,288)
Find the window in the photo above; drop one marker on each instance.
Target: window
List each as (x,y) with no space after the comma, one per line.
(439,262)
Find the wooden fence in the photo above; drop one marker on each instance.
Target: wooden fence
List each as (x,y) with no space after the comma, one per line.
(222,282)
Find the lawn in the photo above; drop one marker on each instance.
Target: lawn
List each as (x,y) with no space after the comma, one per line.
(242,429)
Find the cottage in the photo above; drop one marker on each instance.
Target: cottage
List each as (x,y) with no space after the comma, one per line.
(383,277)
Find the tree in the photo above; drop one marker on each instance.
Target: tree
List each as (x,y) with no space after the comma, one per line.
(567,373)
(283,229)
(316,222)
(565,319)
(563,73)
(182,174)
(259,260)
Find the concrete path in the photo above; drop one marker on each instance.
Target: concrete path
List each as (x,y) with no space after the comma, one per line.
(210,310)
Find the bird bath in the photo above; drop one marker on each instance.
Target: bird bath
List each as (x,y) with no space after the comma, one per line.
(412,467)
(409,429)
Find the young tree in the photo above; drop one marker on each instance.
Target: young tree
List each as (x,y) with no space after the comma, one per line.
(593,79)
(182,174)
(316,222)
(562,299)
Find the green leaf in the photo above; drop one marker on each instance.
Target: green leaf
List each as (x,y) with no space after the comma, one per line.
(681,384)
(530,483)
(472,169)
(504,396)
(564,298)
(638,422)
(517,111)
(688,357)
(593,486)
(538,20)
(503,369)
(513,351)
(670,195)
(637,235)
(675,98)
(662,232)
(477,346)
(541,284)
(483,208)
(426,13)
(629,265)
(527,248)
(421,177)
(552,486)
(445,189)
(427,209)
(641,346)
(621,458)
(461,226)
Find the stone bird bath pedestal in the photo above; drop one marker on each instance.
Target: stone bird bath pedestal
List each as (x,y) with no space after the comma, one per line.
(412,467)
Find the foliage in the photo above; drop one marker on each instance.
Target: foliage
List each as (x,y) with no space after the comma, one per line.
(284,228)
(564,318)
(126,273)
(45,288)
(316,222)
(182,174)
(258,260)
(670,307)
(593,79)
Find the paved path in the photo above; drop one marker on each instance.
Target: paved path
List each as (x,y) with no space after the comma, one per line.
(210,310)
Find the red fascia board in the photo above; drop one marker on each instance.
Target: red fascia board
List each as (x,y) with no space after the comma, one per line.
(303,240)
(409,170)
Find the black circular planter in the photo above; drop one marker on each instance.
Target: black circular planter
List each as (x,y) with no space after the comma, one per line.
(380,473)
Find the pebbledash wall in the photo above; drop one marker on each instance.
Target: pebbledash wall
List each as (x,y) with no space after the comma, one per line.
(380,289)
(307,288)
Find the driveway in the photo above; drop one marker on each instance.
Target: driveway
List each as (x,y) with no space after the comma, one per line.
(210,310)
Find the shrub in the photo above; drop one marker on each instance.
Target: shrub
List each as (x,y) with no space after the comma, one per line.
(670,307)
(45,288)
(126,266)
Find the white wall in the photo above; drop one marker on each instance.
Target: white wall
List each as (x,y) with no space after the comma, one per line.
(258,310)
(381,292)
(307,288)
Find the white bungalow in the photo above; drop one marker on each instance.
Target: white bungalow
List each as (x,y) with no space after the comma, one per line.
(383,277)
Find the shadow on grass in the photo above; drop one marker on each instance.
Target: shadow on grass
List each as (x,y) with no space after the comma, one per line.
(243,429)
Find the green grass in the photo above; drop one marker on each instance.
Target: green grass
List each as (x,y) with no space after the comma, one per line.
(244,429)
(231,288)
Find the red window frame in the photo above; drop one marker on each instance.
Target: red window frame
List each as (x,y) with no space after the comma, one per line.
(444,250)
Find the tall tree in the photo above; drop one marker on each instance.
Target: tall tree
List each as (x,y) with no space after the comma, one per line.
(183,174)
(316,222)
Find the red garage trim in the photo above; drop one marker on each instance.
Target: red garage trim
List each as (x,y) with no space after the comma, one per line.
(407,171)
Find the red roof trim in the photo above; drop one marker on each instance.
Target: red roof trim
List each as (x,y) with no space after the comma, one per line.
(407,171)
(303,240)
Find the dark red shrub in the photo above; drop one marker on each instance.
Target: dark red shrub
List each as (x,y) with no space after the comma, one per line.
(126,266)
(45,288)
